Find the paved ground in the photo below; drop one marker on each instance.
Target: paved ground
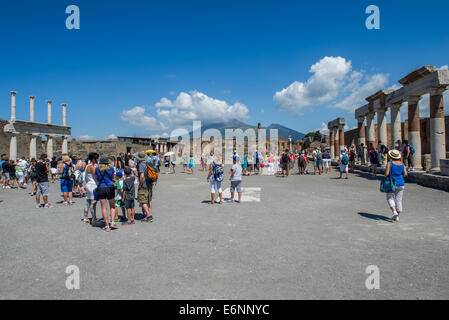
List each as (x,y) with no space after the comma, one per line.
(309,237)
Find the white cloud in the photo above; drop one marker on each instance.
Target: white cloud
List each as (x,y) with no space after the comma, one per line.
(112,136)
(323,129)
(333,82)
(137,117)
(445,67)
(323,86)
(359,92)
(184,109)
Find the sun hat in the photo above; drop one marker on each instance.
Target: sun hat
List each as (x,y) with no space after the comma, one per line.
(394,154)
(119,174)
(141,156)
(65,159)
(104,159)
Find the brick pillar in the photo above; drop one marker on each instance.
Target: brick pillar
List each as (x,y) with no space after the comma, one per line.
(331,142)
(437,129)
(336,143)
(414,135)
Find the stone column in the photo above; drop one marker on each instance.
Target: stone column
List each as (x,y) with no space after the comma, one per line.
(49,147)
(331,142)
(414,134)
(341,137)
(336,144)
(361,131)
(437,129)
(396,132)
(33,147)
(32,108)
(64,114)
(13,107)
(382,127)
(370,126)
(49,111)
(13,147)
(65,149)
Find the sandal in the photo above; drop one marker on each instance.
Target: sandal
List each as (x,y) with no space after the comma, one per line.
(107,229)
(86,221)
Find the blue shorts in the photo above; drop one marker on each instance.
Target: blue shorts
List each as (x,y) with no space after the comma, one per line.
(66,185)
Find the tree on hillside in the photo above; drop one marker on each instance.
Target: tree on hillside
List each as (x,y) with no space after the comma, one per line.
(316,136)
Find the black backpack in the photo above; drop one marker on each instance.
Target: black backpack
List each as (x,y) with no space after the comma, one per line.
(285,158)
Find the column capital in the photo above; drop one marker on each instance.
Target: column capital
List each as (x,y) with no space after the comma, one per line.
(361,118)
(49,101)
(64,104)
(414,99)
(370,116)
(14,93)
(437,91)
(396,106)
(32,97)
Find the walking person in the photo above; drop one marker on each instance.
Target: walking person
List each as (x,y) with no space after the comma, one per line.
(245,164)
(344,161)
(33,176)
(326,161)
(129,190)
(53,169)
(215,177)
(145,190)
(398,171)
(373,158)
(285,162)
(191,164)
(317,158)
(42,184)
(236,179)
(105,177)
(91,190)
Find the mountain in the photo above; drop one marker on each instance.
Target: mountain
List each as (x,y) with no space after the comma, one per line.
(283,132)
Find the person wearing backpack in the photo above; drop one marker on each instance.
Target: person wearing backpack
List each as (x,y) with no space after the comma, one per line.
(215,177)
(285,162)
(66,171)
(147,176)
(398,171)
(344,161)
(105,177)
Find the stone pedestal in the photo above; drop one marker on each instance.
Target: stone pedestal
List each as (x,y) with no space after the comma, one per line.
(437,129)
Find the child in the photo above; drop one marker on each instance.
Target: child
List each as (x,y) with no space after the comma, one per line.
(119,197)
(129,191)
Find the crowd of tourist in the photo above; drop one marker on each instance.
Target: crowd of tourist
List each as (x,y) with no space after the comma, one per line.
(116,182)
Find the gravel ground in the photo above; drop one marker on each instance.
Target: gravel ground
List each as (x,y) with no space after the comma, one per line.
(309,237)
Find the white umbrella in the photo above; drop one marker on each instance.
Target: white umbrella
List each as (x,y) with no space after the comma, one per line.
(169,154)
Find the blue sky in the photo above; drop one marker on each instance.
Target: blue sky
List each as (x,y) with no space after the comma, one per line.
(145,67)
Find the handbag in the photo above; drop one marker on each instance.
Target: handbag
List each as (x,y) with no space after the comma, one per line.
(388,184)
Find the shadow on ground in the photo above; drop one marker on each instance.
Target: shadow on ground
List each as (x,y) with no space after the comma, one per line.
(374,216)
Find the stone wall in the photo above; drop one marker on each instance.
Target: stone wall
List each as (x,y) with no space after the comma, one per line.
(108,147)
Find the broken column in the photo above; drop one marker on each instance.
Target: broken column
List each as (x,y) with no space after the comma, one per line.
(64,114)
(13,106)
(32,108)
(49,111)
(331,142)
